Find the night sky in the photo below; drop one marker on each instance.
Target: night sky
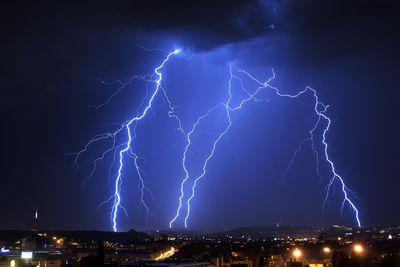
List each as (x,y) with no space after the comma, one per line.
(55,55)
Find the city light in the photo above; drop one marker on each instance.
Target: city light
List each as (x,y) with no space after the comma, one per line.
(296,253)
(235,254)
(4,250)
(166,254)
(26,254)
(327,250)
(358,248)
(12,263)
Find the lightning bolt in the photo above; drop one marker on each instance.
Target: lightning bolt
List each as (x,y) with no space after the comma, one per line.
(228,109)
(129,128)
(184,158)
(310,139)
(320,111)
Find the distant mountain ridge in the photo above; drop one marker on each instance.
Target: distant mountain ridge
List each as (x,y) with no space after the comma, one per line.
(270,231)
(85,236)
(249,231)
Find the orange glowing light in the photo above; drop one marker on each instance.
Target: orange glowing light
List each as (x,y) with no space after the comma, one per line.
(358,248)
(297,253)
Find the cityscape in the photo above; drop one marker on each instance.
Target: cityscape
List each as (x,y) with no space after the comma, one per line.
(209,133)
(269,246)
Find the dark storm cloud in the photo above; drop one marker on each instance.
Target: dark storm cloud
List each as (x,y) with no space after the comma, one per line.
(208,23)
(201,25)
(205,25)
(308,16)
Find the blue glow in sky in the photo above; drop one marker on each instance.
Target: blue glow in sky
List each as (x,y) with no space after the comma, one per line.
(59,71)
(199,157)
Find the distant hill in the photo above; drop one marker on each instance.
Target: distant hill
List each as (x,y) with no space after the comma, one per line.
(270,232)
(84,236)
(245,232)
(181,232)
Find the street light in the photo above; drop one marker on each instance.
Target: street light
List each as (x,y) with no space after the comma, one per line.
(296,253)
(327,250)
(12,263)
(358,248)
